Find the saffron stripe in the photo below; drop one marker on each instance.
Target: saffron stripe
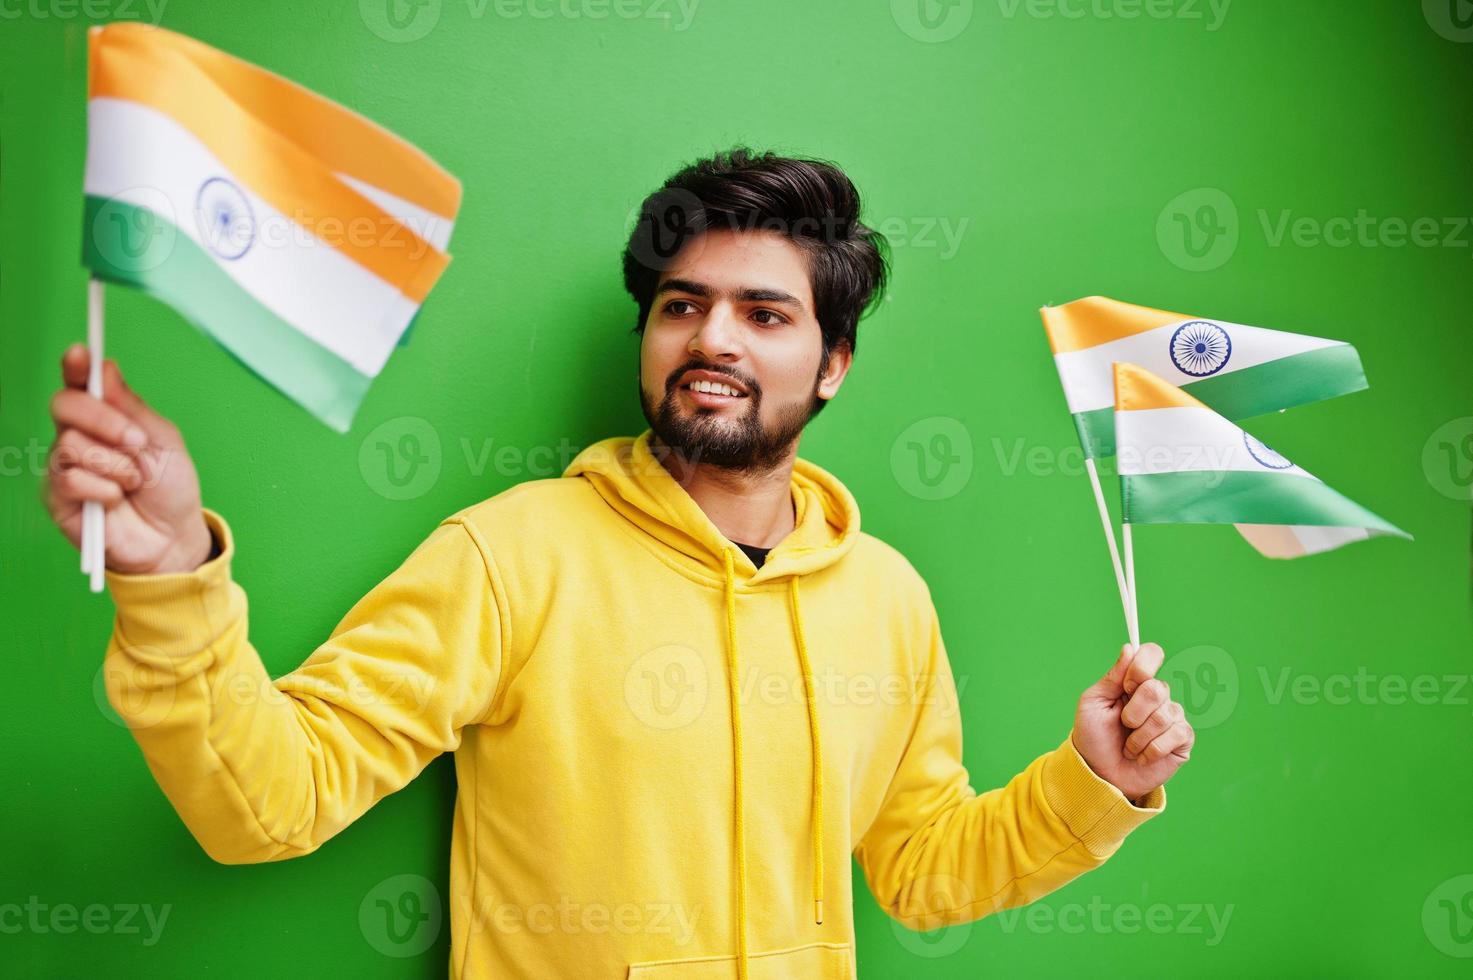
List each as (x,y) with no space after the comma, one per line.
(1097,320)
(342,139)
(292,180)
(294,273)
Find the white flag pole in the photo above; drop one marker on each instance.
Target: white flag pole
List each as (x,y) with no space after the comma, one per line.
(94,535)
(1126,590)
(1133,615)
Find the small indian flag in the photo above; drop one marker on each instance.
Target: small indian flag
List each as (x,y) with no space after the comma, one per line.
(298,234)
(1240,371)
(1182,463)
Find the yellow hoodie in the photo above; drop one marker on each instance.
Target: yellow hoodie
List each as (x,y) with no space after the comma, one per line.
(665,754)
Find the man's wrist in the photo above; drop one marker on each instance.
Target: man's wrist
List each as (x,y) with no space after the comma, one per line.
(1142,801)
(201,548)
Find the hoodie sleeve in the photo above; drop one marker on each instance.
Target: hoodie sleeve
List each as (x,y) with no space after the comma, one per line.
(264,770)
(939,854)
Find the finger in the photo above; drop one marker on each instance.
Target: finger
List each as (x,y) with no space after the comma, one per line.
(1143,666)
(1109,686)
(116,392)
(161,432)
(75,448)
(1176,740)
(152,463)
(1150,729)
(1143,703)
(105,423)
(74,362)
(78,484)
(61,507)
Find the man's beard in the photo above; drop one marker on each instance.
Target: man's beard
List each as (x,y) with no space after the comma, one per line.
(722,438)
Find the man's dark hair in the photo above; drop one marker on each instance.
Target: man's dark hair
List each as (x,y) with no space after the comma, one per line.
(810,201)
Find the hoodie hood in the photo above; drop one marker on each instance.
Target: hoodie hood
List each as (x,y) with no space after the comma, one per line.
(629,477)
(635,483)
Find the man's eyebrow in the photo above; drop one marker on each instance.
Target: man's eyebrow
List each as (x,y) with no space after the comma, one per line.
(745,295)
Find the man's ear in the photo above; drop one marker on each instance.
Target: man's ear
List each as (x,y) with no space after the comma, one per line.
(839,360)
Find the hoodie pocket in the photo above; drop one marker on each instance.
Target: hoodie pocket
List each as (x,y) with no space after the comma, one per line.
(815,961)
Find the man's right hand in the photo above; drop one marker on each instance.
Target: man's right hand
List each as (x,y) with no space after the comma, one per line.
(122,453)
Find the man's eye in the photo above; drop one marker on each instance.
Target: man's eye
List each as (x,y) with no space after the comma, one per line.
(778,318)
(670,306)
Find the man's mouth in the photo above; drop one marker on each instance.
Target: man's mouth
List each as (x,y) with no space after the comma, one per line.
(712,394)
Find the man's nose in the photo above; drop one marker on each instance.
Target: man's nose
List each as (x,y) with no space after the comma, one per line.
(719,336)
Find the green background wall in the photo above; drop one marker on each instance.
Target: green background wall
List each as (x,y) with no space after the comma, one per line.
(1018,155)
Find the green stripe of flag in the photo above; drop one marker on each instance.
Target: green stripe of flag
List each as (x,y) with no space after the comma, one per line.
(133,246)
(1283,383)
(1241,497)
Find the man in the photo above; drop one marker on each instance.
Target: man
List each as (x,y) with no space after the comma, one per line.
(681,685)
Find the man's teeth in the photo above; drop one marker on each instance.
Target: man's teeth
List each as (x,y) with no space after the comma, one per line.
(712,388)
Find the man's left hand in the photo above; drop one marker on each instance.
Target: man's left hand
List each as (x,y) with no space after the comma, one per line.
(1127,727)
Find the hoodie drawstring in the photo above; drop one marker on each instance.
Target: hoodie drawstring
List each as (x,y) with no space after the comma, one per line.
(817,752)
(740,830)
(736,754)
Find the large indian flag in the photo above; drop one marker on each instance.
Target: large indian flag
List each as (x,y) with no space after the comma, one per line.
(1240,371)
(296,233)
(1182,463)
